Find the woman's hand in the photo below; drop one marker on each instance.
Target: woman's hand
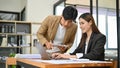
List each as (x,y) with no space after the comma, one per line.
(55,55)
(59,56)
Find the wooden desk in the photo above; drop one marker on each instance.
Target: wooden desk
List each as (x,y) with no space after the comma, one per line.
(29,63)
(10,61)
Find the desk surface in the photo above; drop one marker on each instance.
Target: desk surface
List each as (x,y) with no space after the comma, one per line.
(71,65)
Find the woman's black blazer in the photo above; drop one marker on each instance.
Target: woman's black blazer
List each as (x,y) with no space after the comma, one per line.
(95,50)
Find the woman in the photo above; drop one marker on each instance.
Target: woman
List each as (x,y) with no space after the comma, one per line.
(92,41)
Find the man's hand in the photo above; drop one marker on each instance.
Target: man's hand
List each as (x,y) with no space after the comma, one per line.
(62,48)
(49,45)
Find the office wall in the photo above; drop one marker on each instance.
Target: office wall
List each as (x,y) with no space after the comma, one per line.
(37,10)
(12,5)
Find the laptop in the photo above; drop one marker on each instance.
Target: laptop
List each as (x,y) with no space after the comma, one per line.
(45,55)
(42,51)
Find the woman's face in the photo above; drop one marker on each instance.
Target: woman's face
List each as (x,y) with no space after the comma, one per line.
(84,25)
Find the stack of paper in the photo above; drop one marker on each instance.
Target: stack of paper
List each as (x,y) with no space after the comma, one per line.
(27,56)
(73,61)
(62,61)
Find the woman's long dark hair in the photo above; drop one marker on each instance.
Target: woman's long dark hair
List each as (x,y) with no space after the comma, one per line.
(88,17)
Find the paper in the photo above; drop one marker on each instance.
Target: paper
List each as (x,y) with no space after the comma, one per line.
(74,59)
(27,56)
(62,61)
(70,61)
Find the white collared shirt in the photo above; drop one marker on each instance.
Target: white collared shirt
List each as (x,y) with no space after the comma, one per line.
(86,46)
(59,37)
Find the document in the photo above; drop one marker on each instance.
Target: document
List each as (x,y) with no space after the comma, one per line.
(28,56)
(69,61)
(62,61)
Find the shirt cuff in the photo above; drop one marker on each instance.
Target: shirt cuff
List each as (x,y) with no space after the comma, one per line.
(79,55)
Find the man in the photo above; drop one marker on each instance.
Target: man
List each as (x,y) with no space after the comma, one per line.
(57,32)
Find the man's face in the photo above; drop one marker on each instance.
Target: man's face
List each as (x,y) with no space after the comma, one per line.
(66,23)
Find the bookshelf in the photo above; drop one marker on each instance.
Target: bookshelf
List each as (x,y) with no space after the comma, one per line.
(17,35)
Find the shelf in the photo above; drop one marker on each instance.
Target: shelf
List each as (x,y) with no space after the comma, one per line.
(18,33)
(13,34)
(14,47)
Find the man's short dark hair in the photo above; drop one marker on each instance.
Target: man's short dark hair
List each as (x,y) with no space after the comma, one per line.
(70,13)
